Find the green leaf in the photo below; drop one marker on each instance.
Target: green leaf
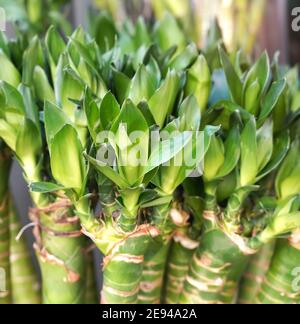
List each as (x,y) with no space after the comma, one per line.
(68,86)
(168,33)
(43,89)
(54,119)
(271,99)
(166,150)
(85,55)
(11,97)
(55,44)
(233,80)
(162,102)
(131,142)
(105,32)
(281,147)
(132,117)
(8,134)
(189,113)
(121,83)
(214,158)
(282,224)
(8,71)
(31,109)
(185,59)
(249,163)
(252,99)
(45,187)
(109,110)
(32,57)
(288,177)
(109,172)
(264,144)
(29,142)
(142,86)
(186,162)
(232,153)
(199,82)
(261,72)
(67,163)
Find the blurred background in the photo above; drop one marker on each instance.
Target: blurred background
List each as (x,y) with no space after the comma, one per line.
(254,25)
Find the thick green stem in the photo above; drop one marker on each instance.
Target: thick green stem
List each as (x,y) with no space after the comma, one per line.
(210,268)
(151,286)
(25,284)
(91,292)
(60,250)
(281,283)
(254,274)
(123,266)
(181,253)
(5,274)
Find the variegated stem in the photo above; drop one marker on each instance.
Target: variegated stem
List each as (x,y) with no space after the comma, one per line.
(151,286)
(91,292)
(181,252)
(254,274)
(211,266)
(123,266)
(60,250)
(281,284)
(5,276)
(25,284)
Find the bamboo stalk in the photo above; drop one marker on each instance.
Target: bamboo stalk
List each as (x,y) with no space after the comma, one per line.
(25,284)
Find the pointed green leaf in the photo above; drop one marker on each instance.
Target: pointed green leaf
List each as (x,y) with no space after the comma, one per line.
(189,113)
(260,71)
(122,84)
(249,164)
(32,57)
(43,89)
(233,80)
(168,33)
(66,159)
(54,119)
(281,148)
(232,153)
(8,71)
(166,150)
(109,110)
(185,59)
(29,142)
(264,144)
(109,172)
(271,99)
(142,86)
(162,102)
(288,178)
(199,82)
(45,187)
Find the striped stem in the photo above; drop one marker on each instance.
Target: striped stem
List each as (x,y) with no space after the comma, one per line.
(91,293)
(5,283)
(25,284)
(5,275)
(59,247)
(281,283)
(151,287)
(254,274)
(123,266)
(211,267)
(179,259)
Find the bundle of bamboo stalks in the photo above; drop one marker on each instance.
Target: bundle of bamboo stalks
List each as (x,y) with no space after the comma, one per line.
(192,155)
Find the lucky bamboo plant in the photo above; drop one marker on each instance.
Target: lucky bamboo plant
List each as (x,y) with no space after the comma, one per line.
(130,121)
